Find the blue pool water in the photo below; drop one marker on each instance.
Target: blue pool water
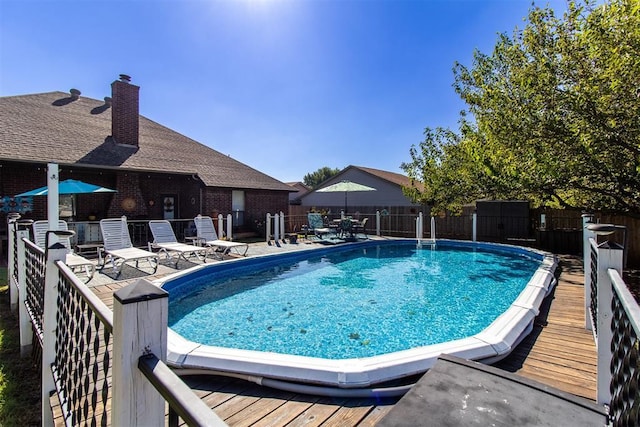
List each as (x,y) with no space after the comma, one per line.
(351,303)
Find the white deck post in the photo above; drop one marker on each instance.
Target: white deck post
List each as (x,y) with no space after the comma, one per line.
(433,228)
(610,255)
(474,227)
(11,256)
(140,315)
(220,228)
(24,321)
(53,198)
(229,227)
(586,262)
(282,229)
(377,223)
(55,252)
(268,227)
(276,227)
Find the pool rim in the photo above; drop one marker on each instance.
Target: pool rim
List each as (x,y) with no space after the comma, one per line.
(493,343)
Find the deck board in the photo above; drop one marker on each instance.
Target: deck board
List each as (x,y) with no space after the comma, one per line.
(559,352)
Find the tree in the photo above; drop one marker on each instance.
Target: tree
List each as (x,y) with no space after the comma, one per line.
(313,179)
(555,116)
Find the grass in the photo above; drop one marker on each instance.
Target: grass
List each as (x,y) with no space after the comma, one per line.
(19,377)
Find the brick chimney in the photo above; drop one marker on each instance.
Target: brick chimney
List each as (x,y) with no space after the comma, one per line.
(125,111)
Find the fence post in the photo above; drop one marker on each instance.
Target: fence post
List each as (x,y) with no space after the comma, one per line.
(474,227)
(140,315)
(229,227)
(586,262)
(419,228)
(377,223)
(24,321)
(268,227)
(56,252)
(610,255)
(220,230)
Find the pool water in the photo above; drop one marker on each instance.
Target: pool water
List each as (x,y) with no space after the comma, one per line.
(352,303)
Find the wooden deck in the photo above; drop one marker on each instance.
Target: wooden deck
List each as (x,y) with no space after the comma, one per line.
(559,353)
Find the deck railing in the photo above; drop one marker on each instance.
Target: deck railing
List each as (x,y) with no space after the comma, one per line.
(83,346)
(614,316)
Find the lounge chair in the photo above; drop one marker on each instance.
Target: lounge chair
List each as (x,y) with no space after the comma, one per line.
(317,227)
(118,246)
(74,262)
(206,234)
(165,240)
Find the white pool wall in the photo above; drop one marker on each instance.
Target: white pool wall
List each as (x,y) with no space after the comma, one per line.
(492,344)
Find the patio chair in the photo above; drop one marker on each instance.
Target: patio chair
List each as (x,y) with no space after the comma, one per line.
(118,246)
(72,260)
(206,234)
(165,240)
(316,225)
(360,227)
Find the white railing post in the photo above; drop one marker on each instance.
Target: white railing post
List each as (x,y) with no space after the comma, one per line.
(433,228)
(140,315)
(268,227)
(474,227)
(26,331)
(55,252)
(419,228)
(220,228)
(586,262)
(282,229)
(276,227)
(610,255)
(11,256)
(229,227)
(377,223)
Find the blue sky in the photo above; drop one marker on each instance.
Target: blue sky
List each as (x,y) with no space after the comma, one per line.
(285,87)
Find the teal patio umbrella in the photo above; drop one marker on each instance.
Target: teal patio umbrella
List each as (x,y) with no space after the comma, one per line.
(69,186)
(345,186)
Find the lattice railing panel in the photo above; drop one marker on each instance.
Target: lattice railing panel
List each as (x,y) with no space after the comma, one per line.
(82,370)
(594,288)
(34,298)
(625,361)
(13,230)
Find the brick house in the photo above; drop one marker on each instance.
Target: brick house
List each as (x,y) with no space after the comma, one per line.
(157,172)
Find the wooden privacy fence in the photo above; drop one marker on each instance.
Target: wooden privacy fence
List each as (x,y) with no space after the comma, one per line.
(553,230)
(106,368)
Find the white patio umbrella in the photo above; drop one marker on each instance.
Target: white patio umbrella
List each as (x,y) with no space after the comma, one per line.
(346,186)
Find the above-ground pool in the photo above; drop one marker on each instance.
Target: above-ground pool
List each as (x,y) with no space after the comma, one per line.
(356,315)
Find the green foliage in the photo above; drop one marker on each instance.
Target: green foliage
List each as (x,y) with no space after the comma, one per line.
(313,179)
(556,116)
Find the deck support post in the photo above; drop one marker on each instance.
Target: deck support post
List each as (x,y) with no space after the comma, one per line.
(56,252)
(140,315)
(610,255)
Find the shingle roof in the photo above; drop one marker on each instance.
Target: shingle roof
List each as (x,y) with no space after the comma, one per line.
(51,127)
